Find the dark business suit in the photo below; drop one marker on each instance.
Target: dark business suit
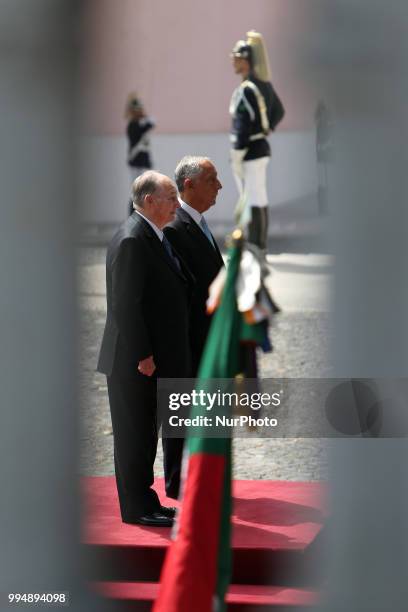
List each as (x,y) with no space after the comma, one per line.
(148,301)
(205,262)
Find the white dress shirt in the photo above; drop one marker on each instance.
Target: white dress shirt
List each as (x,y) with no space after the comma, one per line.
(158,231)
(198,218)
(194,214)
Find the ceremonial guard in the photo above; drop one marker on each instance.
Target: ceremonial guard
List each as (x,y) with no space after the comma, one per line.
(137,131)
(255,109)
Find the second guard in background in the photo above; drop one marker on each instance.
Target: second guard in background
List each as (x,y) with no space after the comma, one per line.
(139,125)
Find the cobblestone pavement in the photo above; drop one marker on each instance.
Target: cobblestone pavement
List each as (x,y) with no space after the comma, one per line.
(301,341)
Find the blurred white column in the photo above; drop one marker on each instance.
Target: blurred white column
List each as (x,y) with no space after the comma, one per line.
(363,50)
(39,508)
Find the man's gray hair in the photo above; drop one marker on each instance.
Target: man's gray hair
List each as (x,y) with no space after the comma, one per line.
(145,184)
(188,168)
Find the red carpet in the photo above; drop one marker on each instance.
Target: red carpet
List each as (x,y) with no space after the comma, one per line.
(276,530)
(140,595)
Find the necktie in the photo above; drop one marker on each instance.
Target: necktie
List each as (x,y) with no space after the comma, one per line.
(170,253)
(206,230)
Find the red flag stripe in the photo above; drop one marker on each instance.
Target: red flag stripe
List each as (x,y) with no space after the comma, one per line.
(189,575)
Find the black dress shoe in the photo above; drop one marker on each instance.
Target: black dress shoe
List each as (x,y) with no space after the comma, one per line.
(155,519)
(170,512)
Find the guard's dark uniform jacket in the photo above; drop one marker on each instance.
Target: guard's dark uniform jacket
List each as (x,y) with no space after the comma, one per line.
(255,109)
(139,144)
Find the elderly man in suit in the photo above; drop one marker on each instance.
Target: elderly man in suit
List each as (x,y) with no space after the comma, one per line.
(189,234)
(146,336)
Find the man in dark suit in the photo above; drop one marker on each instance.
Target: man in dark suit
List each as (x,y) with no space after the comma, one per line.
(198,185)
(145,337)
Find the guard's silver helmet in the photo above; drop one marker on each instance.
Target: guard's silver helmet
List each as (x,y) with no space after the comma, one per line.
(254,50)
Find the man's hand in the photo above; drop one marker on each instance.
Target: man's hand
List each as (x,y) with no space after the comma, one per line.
(147,366)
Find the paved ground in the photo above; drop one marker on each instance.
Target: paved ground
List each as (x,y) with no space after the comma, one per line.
(300,336)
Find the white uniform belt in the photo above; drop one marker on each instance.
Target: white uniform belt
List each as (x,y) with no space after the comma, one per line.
(140,149)
(234,137)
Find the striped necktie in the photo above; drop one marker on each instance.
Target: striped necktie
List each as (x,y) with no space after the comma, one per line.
(206,230)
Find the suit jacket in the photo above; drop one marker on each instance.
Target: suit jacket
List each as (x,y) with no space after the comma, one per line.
(148,303)
(204,262)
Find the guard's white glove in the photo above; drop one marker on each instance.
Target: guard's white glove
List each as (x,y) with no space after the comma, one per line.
(236,158)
